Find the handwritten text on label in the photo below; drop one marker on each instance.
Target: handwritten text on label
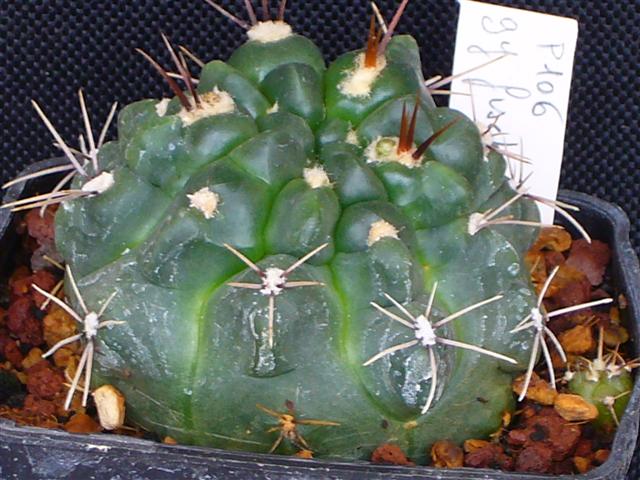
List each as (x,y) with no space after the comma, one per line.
(523,97)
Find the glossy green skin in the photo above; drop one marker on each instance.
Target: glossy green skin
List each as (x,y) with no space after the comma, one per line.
(595,392)
(193,358)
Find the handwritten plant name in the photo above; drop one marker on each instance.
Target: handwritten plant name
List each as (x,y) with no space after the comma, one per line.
(499,32)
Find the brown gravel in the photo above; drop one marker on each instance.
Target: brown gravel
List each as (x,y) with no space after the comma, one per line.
(549,429)
(41,228)
(446,454)
(534,458)
(82,423)
(574,408)
(390,455)
(39,406)
(539,390)
(12,352)
(591,259)
(44,380)
(487,455)
(23,323)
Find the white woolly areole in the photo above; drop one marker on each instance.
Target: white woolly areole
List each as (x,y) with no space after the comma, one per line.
(593,374)
(538,320)
(379,230)
(216,102)
(359,81)
(424,332)
(614,370)
(316,177)
(352,137)
(599,365)
(273,281)
(161,107)
(274,108)
(385,149)
(99,184)
(270,31)
(568,375)
(476,221)
(91,324)
(205,201)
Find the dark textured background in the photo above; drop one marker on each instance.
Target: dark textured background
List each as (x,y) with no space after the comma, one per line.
(53,47)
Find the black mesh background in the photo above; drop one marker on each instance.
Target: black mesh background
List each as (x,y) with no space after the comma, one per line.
(50,48)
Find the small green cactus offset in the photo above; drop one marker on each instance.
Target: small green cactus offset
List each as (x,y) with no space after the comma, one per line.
(286,235)
(606,382)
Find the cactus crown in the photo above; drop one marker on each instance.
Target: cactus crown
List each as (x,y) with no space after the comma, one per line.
(274,235)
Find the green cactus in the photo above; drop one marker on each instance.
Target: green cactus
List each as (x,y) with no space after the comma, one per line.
(609,391)
(605,382)
(197,213)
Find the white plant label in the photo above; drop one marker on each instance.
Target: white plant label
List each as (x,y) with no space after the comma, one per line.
(524,96)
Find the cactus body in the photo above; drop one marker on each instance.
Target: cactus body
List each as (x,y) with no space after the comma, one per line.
(608,391)
(280,160)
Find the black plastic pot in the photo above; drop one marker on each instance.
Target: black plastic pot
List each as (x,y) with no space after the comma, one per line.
(51,454)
